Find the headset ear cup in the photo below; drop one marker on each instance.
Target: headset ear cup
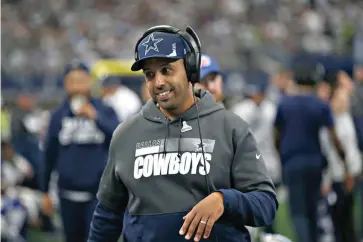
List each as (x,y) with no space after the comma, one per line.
(193,68)
(187,65)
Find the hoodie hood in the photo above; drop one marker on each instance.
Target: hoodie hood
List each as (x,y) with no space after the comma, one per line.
(206,106)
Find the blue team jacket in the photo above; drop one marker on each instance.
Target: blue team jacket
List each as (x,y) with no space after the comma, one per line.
(77,147)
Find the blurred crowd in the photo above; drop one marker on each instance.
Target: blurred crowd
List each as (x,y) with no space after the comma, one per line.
(41,37)
(24,127)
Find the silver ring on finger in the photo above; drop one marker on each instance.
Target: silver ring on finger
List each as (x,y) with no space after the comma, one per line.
(203,222)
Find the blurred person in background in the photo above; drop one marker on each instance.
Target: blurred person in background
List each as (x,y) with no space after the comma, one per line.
(13,212)
(21,168)
(324,89)
(211,78)
(299,119)
(357,103)
(282,84)
(342,210)
(76,145)
(15,170)
(24,140)
(123,100)
(357,112)
(13,219)
(259,113)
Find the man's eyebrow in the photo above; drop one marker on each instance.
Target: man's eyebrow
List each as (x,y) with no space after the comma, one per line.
(161,65)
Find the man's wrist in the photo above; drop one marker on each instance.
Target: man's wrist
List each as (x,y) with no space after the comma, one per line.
(228,196)
(220,196)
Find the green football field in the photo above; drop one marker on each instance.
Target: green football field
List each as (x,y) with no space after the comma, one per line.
(283,226)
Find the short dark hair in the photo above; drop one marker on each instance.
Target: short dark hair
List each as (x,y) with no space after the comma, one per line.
(331,77)
(308,73)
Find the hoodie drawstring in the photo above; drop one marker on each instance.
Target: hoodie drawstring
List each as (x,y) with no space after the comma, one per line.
(167,134)
(179,138)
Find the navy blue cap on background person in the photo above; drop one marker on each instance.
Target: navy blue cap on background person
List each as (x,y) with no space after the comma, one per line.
(111,81)
(211,77)
(76,79)
(75,65)
(150,187)
(76,146)
(256,86)
(109,84)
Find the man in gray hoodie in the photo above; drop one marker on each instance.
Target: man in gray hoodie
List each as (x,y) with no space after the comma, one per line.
(184,167)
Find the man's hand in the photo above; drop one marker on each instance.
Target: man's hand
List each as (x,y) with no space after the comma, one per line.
(87,110)
(348,182)
(326,188)
(47,205)
(203,215)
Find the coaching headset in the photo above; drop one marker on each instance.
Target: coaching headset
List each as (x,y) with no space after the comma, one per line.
(193,56)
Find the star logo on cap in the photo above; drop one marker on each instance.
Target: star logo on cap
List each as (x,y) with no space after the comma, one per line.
(151,44)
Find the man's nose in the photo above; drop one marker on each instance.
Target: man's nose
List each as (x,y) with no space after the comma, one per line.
(159,80)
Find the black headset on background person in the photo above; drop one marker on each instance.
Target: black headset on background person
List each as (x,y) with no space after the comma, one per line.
(192,58)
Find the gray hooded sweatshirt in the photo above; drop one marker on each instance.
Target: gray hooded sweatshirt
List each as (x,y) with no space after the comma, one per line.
(156,174)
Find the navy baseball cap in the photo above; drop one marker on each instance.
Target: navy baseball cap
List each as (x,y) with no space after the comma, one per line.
(257,82)
(308,72)
(208,65)
(110,81)
(75,65)
(160,45)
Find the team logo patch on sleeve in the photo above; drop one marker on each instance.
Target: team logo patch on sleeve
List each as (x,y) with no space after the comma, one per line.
(151,160)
